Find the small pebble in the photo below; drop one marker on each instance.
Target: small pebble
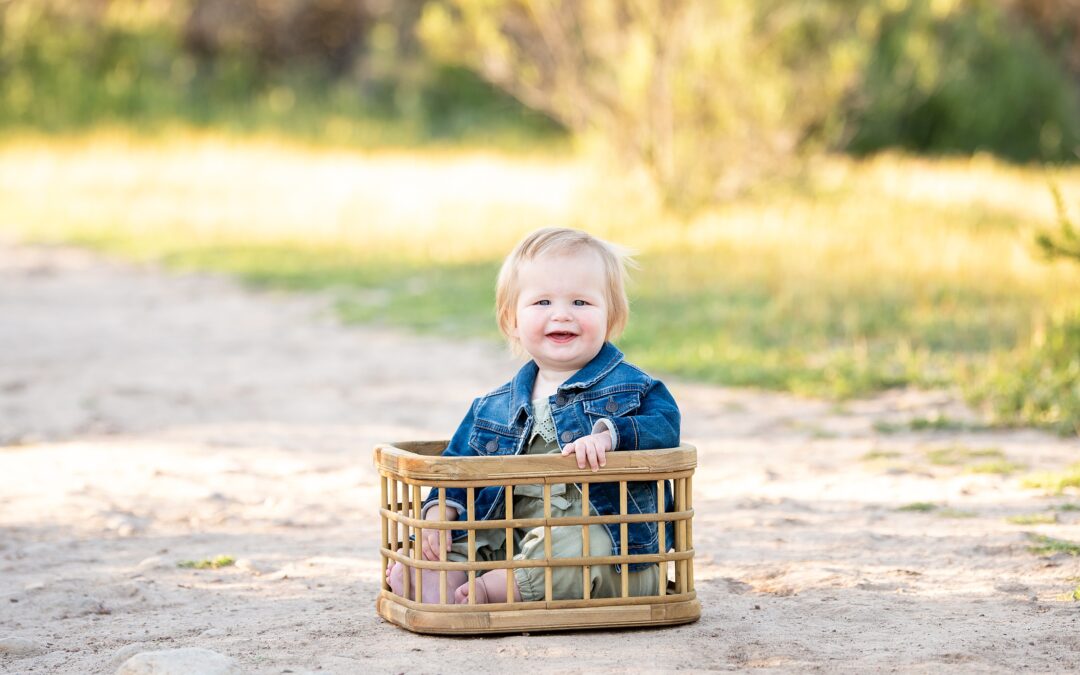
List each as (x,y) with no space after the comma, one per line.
(127,651)
(91,606)
(247,565)
(179,662)
(154,562)
(18,646)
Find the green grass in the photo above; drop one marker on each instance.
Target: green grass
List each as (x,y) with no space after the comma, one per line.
(956,455)
(1068,507)
(1000,467)
(956,513)
(933,423)
(876,455)
(973,460)
(883,427)
(208,563)
(919,507)
(943,423)
(1037,382)
(1033,519)
(1044,545)
(1054,482)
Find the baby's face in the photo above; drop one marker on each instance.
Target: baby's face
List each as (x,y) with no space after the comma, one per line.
(562,309)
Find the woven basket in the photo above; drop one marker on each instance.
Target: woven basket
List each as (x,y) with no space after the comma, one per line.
(407,469)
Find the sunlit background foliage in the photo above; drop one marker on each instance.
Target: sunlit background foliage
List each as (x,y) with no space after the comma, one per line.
(828,197)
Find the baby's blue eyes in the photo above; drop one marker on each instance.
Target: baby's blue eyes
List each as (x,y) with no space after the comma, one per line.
(577,303)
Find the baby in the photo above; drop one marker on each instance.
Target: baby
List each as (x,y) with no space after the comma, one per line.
(560,298)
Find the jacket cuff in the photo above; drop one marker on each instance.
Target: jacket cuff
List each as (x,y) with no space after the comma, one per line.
(626,432)
(435,504)
(605,423)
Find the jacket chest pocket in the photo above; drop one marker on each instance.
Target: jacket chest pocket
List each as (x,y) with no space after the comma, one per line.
(486,441)
(613,405)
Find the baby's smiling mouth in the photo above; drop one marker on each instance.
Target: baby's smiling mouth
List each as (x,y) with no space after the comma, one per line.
(561,336)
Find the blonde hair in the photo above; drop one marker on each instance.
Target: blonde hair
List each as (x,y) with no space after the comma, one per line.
(562,241)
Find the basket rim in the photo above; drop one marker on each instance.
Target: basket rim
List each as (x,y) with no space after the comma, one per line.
(421,620)
(400,459)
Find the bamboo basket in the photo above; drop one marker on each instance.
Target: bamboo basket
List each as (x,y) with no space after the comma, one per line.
(406,469)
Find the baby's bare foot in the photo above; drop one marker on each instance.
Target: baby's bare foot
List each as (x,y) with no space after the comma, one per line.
(394,577)
(461,595)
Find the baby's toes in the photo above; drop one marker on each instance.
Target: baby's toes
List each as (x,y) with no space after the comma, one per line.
(461,594)
(394,578)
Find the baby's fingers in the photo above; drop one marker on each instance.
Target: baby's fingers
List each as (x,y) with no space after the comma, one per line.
(582,452)
(431,545)
(577,448)
(590,449)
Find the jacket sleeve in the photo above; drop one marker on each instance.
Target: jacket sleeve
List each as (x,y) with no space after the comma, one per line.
(654,425)
(458,447)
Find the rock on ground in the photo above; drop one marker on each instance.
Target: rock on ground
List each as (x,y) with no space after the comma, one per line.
(188,661)
(18,646)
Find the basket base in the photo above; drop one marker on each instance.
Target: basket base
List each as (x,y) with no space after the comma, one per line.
(523,620)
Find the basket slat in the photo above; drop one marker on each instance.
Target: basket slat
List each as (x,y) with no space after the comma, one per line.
(555,562)
(470,513)
(539,522)
(509,549)
(585,544)
(548,593)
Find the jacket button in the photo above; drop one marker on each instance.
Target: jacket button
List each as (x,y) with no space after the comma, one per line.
(611,406)
(492,446)
(567,436)
(560,400)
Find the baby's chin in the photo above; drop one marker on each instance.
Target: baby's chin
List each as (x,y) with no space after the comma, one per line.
(572,361)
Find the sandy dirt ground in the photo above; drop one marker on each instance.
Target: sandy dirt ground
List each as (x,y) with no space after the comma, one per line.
(148,418)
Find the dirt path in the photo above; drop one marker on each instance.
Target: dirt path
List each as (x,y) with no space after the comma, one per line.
(147,419)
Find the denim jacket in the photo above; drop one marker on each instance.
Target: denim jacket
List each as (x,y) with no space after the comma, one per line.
(643,416)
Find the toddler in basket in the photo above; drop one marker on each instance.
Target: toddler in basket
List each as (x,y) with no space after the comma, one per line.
(560,298)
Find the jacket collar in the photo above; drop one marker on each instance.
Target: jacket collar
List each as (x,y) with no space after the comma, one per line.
(594,370)
(521,387)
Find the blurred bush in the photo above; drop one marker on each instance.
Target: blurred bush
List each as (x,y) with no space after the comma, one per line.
(1038,383)
(710,97)
(324,70)
(327,35)
(707,97)
(1065,242)
(1058,24)
(963,77)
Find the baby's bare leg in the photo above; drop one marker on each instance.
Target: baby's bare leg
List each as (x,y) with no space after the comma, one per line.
(429,583)
(489,588)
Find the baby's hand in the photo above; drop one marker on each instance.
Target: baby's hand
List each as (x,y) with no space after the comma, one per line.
(592,448)
(430,541)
